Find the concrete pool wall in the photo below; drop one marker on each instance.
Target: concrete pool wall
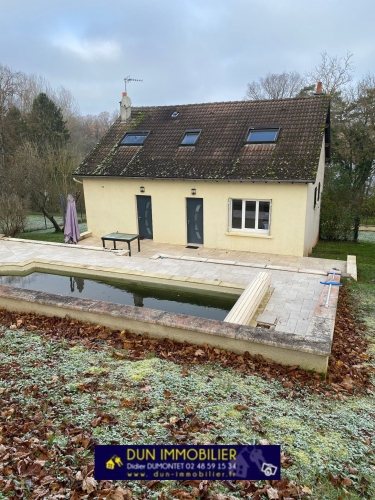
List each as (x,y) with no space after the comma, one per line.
(309,351)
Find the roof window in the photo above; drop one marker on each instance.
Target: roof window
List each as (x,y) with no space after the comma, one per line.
(190,137)
(175,114)
(134,138)
(262,135)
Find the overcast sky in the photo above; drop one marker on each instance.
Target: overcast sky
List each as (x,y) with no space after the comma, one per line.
(185,51)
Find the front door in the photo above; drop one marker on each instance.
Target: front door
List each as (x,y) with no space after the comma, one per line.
(194,210)
(144,217)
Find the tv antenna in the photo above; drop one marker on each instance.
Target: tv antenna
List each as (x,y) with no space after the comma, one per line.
(128,79)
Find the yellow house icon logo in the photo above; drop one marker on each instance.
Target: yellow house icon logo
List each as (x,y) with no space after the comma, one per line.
(112,462)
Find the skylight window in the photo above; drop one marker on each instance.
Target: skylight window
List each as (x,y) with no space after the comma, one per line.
(262,135)
(190,137)
(175,114)
(134,138)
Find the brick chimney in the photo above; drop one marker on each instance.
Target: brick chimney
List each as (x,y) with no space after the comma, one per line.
(125,108)
(319,88)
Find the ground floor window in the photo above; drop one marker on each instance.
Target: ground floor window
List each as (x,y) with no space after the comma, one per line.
(250,215)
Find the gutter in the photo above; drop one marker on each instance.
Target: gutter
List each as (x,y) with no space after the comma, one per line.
(292,181)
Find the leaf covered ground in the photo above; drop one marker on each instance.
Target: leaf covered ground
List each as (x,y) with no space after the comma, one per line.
(66,386)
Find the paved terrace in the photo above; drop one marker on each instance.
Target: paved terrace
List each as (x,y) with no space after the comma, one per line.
(294,280)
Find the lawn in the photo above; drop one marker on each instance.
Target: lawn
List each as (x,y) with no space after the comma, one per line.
(368,221)
(364,250)
(66,386)
(48,234)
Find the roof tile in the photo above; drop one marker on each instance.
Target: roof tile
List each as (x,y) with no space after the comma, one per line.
(220,152)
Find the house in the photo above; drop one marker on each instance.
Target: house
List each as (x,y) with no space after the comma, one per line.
(244,175)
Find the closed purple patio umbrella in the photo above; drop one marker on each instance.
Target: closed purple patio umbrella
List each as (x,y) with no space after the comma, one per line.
(71,229)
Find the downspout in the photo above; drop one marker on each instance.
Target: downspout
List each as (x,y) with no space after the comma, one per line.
(76,180)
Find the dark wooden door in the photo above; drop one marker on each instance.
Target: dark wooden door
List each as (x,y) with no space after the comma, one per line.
(144,217)
(194,212)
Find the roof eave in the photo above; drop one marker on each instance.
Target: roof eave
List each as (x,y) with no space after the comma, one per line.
(293,181)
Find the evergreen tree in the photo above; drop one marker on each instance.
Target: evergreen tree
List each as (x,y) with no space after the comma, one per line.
(46,123)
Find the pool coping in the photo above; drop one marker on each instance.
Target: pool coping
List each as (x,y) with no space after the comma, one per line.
(291,349)
(66,245)
(256,265)
(36,265)
(310,351)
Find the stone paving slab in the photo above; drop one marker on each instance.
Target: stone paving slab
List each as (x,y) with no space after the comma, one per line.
(295,280)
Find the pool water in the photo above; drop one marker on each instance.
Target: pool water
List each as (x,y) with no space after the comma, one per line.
(198,303)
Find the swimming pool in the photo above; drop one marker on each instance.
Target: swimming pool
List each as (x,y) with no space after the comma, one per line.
(199,303)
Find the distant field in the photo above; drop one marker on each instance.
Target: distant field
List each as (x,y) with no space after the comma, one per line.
(37,222)
(368,221)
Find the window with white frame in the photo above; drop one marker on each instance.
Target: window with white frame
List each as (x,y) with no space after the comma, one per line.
(250,215)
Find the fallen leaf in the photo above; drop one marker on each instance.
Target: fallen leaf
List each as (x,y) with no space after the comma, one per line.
(288,384)
(241,407)
(189,410)
(181,494)
(272,494)
(96,421)
(152,483)
(85,442)
(33,470)
(47,479)
(89,484)
(119,355)
(40,462)
(264,442)
(39,493)
(147,388)
(121,494)
(128,403)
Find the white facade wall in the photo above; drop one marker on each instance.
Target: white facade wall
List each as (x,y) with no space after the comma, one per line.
(112,206)
(313,215)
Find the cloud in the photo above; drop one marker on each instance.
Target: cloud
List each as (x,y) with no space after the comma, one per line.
(88,50)
(184,51)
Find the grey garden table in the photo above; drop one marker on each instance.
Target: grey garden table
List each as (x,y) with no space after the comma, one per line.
(121,237)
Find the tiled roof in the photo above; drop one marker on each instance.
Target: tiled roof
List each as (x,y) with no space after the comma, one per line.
(220,152)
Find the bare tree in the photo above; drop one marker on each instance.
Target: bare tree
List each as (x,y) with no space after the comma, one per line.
(12,214)
(363,95)
(33,85)
(276,86)
(64,99)
(333,71)
(86,131)
(43,176)
(10,86)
